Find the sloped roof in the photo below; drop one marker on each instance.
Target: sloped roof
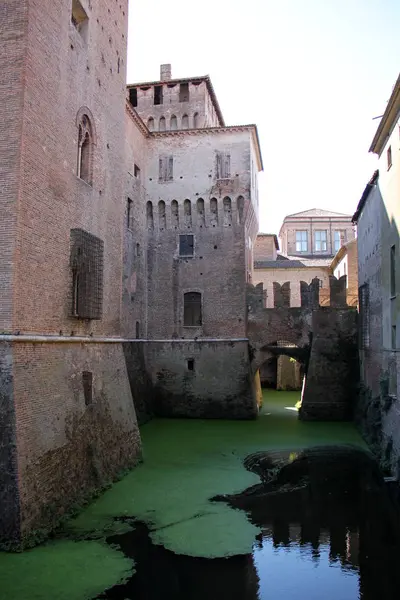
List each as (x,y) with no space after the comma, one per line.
(389,118)
(317,212)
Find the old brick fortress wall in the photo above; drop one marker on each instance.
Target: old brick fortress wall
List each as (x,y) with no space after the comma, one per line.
(68,422)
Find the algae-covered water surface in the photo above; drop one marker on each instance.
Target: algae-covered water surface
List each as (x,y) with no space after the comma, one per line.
(173,528)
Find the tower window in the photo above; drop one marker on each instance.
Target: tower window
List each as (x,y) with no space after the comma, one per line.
(129,213)
(223,165)
(393,271)
(184,92)
(87,381)
(186,245)
(158,94)
(165,168)
(190,364)
(136,171)
(192,309)
(87,255)
(85,150)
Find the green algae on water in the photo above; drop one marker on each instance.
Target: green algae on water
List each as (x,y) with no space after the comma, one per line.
(62,570)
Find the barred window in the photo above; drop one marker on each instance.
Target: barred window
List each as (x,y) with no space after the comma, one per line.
(192,309)
(363,294)
(87,252)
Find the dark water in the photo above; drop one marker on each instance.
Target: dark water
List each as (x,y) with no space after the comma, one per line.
(329,531)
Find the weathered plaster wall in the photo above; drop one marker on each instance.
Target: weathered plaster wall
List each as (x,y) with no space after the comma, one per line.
(328,224)
(295,276)
(219,386)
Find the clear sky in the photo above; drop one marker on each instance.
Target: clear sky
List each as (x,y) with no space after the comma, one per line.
(311,74)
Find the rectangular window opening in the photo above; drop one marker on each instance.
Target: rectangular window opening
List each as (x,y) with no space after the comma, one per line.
(301,241)
(133,97)
(340,239)
(186,245)
(86,261)
(136,171)
(184,92)
(190,364)
(192,309)
(394,337)
(158,94)
(389,157)
(87,381)
(393,271)
(223,165)
(165,168)
(320,241)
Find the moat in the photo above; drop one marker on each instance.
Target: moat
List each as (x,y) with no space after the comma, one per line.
(273,508)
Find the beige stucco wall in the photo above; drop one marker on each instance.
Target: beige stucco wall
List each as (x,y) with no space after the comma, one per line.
(328,224)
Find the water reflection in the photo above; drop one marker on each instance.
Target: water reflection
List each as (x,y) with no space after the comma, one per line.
(329,530)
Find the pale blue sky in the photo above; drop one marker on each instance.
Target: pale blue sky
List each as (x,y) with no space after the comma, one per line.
(310,73)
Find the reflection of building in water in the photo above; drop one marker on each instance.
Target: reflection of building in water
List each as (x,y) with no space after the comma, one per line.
(342,542)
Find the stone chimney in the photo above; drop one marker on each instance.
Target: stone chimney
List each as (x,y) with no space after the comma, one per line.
(165,72)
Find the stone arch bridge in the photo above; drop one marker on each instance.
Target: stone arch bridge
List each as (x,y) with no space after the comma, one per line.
(323,339)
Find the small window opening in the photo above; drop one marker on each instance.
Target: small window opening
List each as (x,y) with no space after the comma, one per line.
(192,309)
(136,171)
(184,92)
(186,245)
(165,168)
(196,120)
(75,292)
(129,206)
(223,165)
(138,249)
(394,337)
(393,271)
(162,124)
(79,17)
(87,381)
(185,122)
(389,157)
(150,124)
(137,330)
(85,143)
(158,94)
(190,364)
(132,96)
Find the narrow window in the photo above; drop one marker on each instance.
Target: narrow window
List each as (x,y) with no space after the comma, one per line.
(185,122)
(227,212)
(150,124)
(138,249)
(393,271)
(200,212)
(161,215)
(79,18)
(165,168)
(173,123)
(87,381)
(158,94)
(301,241)
(136,171)
(394,336)
(187,213)
(162,124)
(174,214)
(196,120)
(190,364)
(137,332)
(129,213)
(192,309)
(320,244)
(186,245)
(149,215)
(223,165)
(133,96)
(240,209)
(86,260)
(389,157)
(213,212)
(85,150)
(184,92)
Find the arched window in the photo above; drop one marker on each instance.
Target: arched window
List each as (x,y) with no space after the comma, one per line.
(185,122)
(174,214)
(200,212)
(149,215)
(187,213)
(161,215)
(196,120)
(192,309)
(162,124)
(227,211)
(173,123)
(150,124)
(214,212)
(85,149)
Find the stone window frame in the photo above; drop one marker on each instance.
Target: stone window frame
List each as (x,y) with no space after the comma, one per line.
(87,140)
(185,305)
